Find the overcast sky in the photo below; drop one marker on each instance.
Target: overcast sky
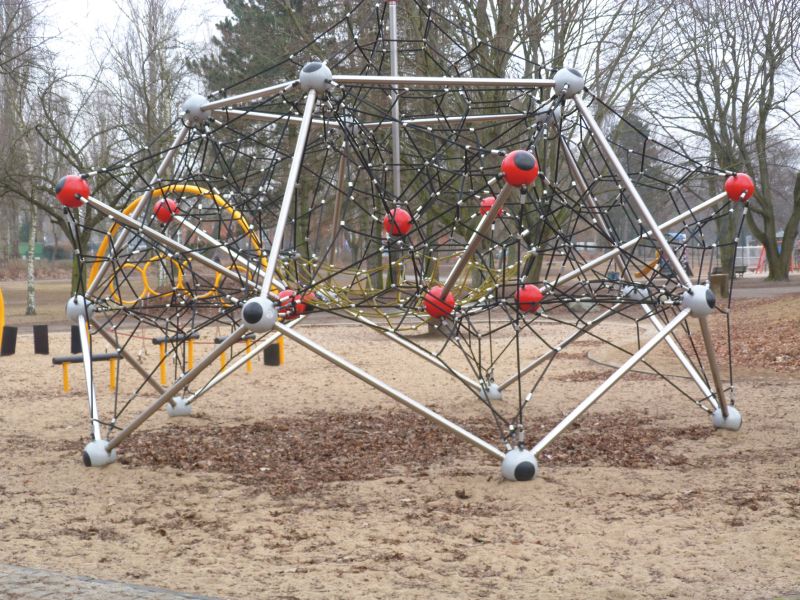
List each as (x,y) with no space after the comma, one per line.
(74,22)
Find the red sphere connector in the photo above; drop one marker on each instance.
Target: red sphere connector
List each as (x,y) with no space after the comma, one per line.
(528,298)
(487,204)
(397,222)
(740,187)
(520,168)
(435,305)
(290,304)
(165,209)
(70,189)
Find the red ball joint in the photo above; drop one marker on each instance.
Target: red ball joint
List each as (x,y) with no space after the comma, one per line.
(290,304)
(520,168)
(436,306)
(397,222)
(740,187)
(165,209)
(70,189)
(487,204)
(528,298)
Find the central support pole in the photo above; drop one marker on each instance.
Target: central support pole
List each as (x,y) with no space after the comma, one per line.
(481,232)
(713,366)
(426,412)
(288,194)
(395,68)
(337,203)
(608,383)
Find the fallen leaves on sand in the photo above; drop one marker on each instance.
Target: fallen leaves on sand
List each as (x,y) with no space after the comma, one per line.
(287,456)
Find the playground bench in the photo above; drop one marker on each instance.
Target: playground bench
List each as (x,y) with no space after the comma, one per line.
(65,361)
(738,270)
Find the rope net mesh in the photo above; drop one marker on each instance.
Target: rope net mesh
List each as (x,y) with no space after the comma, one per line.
(575,233)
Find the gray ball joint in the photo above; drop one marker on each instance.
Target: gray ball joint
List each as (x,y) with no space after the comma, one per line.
(315,76)
(568,82)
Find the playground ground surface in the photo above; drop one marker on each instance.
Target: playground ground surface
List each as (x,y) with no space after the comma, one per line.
(301,482)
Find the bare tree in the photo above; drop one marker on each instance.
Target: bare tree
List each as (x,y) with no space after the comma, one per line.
(78,122)
(729,95)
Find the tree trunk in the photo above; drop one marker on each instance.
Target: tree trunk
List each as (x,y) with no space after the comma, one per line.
(30,308)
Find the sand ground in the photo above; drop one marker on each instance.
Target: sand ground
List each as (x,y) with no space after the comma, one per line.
(694,513)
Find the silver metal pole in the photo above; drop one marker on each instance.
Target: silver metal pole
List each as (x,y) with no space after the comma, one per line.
(122,218)
(262,94)
(291,182)
(337,203)
(435,417)
(638,203)
(317,122)
(443,82)
(556,349)
(122,235)
(482,230)
(270,117)
(425,121)
(184,381)
(591,203)
(630,243)
(608,383)
(712,363)
(127,356)
(86,351)
(395,99)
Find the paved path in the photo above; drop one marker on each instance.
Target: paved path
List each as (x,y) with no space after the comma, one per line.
(21,583)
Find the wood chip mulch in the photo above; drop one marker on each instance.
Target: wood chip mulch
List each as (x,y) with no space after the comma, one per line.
(295,455)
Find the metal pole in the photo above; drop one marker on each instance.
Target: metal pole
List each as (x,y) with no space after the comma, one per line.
(638,203)
(608,383)
(555,350)
(127,356)
(184,381)
(122,218)
(291,182)
(425,121)
(436,418)
(482,230)
(395,100)
(262,94)
(86,351)
(591,203)
(337,203)
(443,82)
(122,235)
(317,122)
(712,363)
(270,117)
